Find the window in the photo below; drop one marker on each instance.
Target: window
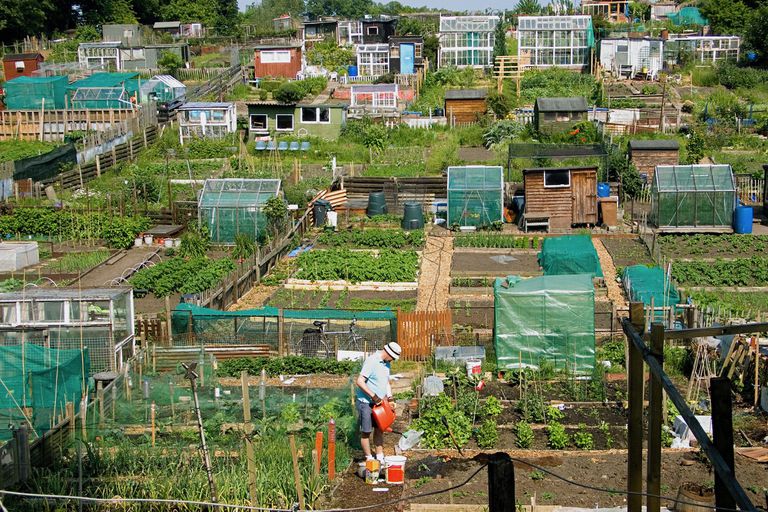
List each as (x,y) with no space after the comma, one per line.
(19,64)
(372,31)
(284,122)
(275,57)
(315,115)
(258,122)
(217,115)
(8,313)
(555,179)
(51,311)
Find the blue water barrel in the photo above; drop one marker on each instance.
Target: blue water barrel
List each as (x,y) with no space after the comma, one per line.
(352,70)
(518,204)
(742,220)
(603,190)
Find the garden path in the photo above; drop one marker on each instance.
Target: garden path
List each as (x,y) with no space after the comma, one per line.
(435,273)
(615,293)
(112,269)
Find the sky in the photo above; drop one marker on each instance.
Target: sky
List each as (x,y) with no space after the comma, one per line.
(454,5)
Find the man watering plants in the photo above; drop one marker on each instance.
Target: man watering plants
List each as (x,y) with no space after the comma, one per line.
(373,387)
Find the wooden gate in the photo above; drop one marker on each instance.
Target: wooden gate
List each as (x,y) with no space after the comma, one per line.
(417,331)
(584,188)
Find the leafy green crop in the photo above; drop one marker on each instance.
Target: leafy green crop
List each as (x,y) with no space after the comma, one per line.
(183,276)
(737,272)
(497,241)
(488,434)
(373,238)
(289,365)
(523,434)
(336,264)
(557,438)
(436,435)
(583,439)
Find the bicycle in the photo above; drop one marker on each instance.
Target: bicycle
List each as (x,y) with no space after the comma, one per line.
(317,342)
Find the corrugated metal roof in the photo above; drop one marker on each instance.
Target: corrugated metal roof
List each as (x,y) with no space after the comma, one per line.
(21,56)
(64,293)
(198,105)
(654,144)
(466,94)
(169,81)
(363,89)
(542,169)
(167,24)
(574,104)
(278,46)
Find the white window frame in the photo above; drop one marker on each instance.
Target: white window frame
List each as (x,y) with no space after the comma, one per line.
(277,123)
(559,171)
(266,122)
(275,56)
(19,66)
(317,115)
(372,30)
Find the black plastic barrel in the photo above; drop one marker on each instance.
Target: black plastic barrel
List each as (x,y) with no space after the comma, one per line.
(377,204)
(320,211)
(413,216)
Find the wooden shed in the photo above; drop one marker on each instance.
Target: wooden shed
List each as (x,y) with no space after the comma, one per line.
(553,115)
(560,197)
(465,105)
(283,61)
(647,154)
(21,64)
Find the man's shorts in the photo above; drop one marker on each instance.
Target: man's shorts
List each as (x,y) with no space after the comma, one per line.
(364,417)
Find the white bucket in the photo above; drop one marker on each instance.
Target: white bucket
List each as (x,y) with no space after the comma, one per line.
(474,368)
(148,239)
(176,242)
(138,241)
(168,242)
(395,469)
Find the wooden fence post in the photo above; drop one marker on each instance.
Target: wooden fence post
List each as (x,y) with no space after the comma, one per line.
(252,485)
(23,463)
(722,436)
(501,483)
(655,418)
(635,420)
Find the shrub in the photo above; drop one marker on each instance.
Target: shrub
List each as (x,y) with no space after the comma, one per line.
(436,434)
(289,92)
(555,414)
(557,438)
(488,434)
(491,408)
(523,434)
(583,439)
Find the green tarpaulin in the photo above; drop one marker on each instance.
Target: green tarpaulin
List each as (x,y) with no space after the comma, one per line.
(35,93)
(41,379)
(687,16)
(548,318)
(573,254)
(650,285)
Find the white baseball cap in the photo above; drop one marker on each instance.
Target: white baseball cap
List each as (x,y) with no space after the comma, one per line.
(393,349)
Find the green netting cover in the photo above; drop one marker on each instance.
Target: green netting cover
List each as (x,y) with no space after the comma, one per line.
(234,206)
(548,318)
(687,16)
(692,196)
(28,93)
(650,284)
(104,91)
(41,379)
(475,195)
(573,254)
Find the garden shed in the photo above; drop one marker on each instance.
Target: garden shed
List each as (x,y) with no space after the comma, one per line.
(35,93)
(284,61)
(21,64)
(691,198)
(553,115)
(213,120)
(230,207)
(572,254)
(545,319)
(628,56)
(475,195)
(647,154)
(564,196)
(465,105)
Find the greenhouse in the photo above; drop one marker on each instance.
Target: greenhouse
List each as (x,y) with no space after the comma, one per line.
(651,286)
(162,89)
(475,195)
(572,254)
(230,207)
(105,91)
(466,41)
(693,196)
(561,41)
(547,318)
(35,93)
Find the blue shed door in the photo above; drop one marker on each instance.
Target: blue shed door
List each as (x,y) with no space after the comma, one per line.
(407,54)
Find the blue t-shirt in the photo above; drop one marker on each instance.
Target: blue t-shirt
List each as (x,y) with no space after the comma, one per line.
(376,373)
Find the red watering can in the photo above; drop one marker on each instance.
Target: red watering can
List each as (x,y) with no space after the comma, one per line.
(383,416)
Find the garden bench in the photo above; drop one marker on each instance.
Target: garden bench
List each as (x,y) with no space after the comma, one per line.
(535,220)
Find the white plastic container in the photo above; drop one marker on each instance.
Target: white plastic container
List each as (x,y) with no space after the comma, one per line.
(168,242)
(395,469)
(474,368)
(148,239)
(138,241)
(176,242)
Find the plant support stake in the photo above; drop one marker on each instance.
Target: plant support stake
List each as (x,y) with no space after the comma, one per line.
(191,374)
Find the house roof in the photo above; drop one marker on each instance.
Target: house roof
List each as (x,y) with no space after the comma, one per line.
(22,56)
(466,94)
(670,144)
(167,24)
(542,169)
(315,103)
(198,105)
(168,80)
(64,293)
(574,104)
(278,46)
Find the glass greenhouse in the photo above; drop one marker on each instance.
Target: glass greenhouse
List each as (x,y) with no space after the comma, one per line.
(233,206)
(561,41)
(686,196)
(475,195)
(466,41)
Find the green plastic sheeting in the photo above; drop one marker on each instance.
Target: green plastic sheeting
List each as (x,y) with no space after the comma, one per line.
(573,254)
(475,195)
(28,93)
(41,379)
(650,284)
(688,16)
(230,207)
(692,196)
(548,318)
(104,91)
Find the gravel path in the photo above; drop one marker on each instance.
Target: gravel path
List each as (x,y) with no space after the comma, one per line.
(435,273)
(253,298)
(615,292)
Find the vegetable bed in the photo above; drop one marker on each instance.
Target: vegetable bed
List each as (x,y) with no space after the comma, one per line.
(182,275)
(373,238)
(498,241)
(712,246)
(387,265)
(733,272)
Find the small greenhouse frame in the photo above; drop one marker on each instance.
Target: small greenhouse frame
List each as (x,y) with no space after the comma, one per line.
(475,195)
(693,197)
(230,207)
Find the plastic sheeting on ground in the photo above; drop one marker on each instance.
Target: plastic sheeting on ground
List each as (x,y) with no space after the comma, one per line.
(573,254)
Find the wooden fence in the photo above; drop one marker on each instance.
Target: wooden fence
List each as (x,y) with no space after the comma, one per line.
(218,85)
(53,125)
(418,331)
(186,74)
(749,189)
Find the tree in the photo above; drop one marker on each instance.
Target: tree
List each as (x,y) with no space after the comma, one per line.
(415,27)
(288,92)
(228,17)
(341,8)
(170,63)
(726,16)
(188,11)
(431,45)
(329,55)
(757,32)
(500,38)
(528,7)
(640,11)
(19,18)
